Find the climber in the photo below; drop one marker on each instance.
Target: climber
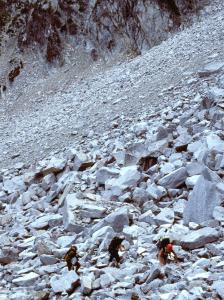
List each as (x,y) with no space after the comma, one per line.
(72,259)
(166,252)
(114,247)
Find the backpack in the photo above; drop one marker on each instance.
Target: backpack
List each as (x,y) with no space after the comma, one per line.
(162,243)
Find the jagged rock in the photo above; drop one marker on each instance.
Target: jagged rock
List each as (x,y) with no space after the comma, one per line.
(87,284)
(218,213)
(4,197)
(174,179)
(182,142)
(81,161)
(140,196)
(208,101)
(64,282)
(13,185)
(102,232)
(210,69)
(46,220)
(26,280)
(118,219)
(218,286)
(215,143)
(191,181)
(162,133)
(154,273)
(75,209)
(128,177)
(140,128)
(157,148)
(104,173)
(48,259)
(201,202)
(147,217)
(106,280)
(55,165)
(66,241)
(48,181)
(166,216)
(167,168)
(178,207)
(156,192)
(194,168)
(199,238)
(8,255)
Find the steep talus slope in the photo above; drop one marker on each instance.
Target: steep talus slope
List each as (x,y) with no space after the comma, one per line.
(36,120)
(100,28)
(145,160)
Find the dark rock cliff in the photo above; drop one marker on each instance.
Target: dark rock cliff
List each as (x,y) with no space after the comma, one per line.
(100,27)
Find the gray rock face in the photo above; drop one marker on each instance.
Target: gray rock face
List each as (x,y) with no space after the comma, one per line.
(199,238)
(201,202)
(174,179)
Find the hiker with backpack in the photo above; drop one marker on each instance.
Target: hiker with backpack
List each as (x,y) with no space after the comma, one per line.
(166,252)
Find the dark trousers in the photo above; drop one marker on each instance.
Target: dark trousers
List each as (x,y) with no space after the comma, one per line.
(115,255)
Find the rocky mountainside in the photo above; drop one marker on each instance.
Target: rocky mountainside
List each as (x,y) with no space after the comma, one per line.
(100,27)
(146,160)
(161,176)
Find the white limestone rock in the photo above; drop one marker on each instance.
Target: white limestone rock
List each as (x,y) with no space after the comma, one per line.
(174,179)
(75,209)
(218,213)
(199,238)
(45,220)
(27,280)
(16,184)
(87,284)
(104,173)
(156,192)
(214,142)
(128,177)
(201,202)
(64,282)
